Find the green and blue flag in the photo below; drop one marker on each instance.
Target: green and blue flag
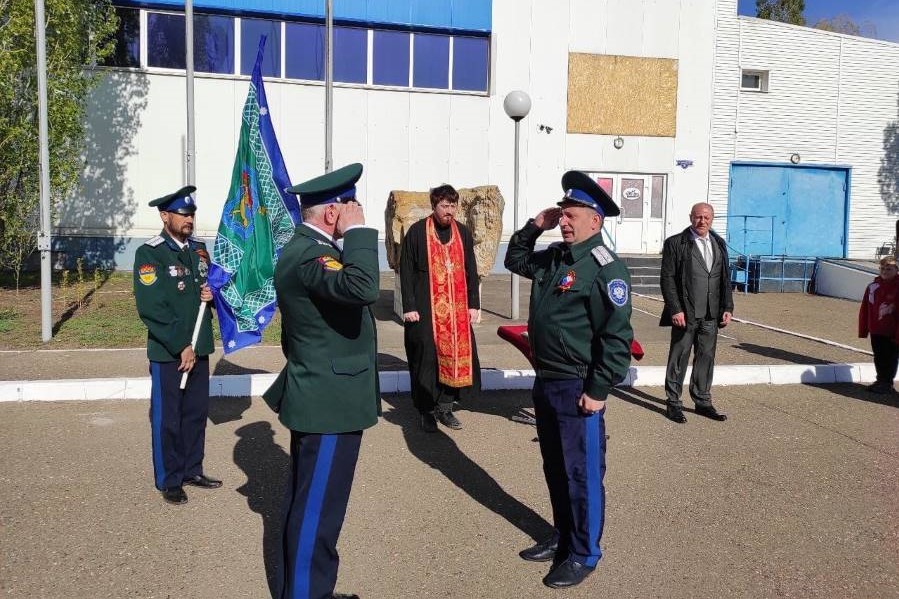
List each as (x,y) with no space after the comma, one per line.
(258,219)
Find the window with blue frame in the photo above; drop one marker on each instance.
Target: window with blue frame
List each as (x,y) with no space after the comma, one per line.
(165,41)
(431,61)
(127,39)
(471,63)
(251,31)
(305,52)
(390,58)
(399,58)
(350,55)
(214,44)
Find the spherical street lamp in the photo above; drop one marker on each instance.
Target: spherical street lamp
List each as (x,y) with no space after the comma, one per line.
(517,105)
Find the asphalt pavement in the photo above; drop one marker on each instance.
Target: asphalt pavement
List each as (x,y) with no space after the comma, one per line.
(793,496)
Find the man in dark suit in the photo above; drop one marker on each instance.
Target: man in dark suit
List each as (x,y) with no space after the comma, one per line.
(327,392)
(698,301)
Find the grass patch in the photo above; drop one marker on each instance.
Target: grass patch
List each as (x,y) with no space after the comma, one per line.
(90,310)
(9,318)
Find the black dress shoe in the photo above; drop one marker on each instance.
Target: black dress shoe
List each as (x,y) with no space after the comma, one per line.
(428,423)
(344,596)
(448,419)
(541,552)
(203,481)
(567,574)
(174,495)
(711,412)
(675,414)
(880,388)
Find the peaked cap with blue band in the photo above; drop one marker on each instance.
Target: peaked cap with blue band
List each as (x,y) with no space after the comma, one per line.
(180,202)
(580,188)
(336,186)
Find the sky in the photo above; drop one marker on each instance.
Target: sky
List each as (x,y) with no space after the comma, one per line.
(883,14)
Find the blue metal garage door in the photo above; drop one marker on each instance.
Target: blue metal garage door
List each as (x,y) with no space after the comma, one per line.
(788,210)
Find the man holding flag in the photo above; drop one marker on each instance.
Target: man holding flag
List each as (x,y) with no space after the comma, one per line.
(257,221)
(169,285)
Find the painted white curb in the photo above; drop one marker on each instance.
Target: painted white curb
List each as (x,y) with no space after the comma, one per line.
(243,385)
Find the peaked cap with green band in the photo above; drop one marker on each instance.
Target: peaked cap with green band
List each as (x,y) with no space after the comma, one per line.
(179,201)
(336,186)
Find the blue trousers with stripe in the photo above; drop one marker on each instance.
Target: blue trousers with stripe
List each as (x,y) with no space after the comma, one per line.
(178,421)
(321,477)
(573,446)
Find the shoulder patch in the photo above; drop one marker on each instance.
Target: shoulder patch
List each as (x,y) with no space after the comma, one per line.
(155,241)
(618,292)
(330,263)
(602,255)
(147,274)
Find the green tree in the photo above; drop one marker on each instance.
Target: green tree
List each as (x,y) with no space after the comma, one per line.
(79,33)
(785,11)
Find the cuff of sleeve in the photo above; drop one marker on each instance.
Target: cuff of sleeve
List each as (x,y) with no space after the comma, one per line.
(596,390)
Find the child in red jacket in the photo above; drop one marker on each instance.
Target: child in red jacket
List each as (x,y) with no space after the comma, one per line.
(878,317)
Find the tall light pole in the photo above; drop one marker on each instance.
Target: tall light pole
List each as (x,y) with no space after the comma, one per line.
(517,106)
(43,235)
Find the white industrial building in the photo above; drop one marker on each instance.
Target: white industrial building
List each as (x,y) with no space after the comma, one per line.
(791,133)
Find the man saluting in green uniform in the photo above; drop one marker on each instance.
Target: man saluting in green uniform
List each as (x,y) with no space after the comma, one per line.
(169,284)
(580,334)
(328,391)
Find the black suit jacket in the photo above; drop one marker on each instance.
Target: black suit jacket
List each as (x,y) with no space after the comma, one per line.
(677,264)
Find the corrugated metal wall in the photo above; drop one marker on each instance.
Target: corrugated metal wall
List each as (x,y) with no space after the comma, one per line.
(831,99)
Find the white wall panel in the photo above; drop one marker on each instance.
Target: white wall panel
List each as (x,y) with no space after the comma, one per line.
(662,28)
(429,129)
(589,25)
(387,165)
(468,143)
(624,27)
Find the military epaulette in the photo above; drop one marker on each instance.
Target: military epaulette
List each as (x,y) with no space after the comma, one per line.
(320,242)
(195,241)
(602,255)
(155,241)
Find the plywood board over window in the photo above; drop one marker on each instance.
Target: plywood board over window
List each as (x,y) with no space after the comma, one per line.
(622,95)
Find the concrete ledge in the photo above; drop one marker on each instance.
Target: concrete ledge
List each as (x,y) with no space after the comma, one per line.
(242,385)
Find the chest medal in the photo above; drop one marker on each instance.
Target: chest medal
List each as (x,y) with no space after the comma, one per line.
(567,281)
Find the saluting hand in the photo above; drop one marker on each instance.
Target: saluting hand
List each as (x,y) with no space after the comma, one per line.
(548,218)
(351,215)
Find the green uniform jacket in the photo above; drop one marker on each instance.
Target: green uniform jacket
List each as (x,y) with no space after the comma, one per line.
(330,381)
(167,284)
(580,318)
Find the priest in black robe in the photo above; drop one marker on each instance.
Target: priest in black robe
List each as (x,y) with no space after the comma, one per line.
(439,283)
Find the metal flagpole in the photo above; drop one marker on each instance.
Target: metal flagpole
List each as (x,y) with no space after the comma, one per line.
(329,82)
(43,235)
(189,68)
(191,134)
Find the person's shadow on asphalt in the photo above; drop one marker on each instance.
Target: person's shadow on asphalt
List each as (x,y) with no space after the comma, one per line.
(440,452)
(266,466)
